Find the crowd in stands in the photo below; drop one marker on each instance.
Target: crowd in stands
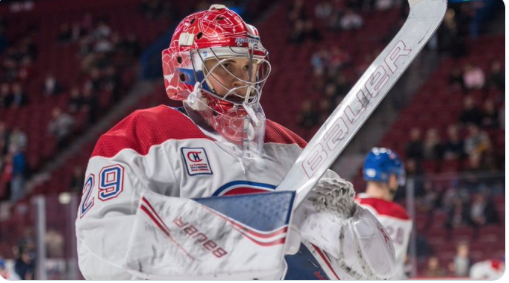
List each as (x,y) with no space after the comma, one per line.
(103,57)
(467,143)
(334,68)
(13,164)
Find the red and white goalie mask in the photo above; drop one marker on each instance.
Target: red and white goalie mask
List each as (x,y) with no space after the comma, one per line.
(217,66)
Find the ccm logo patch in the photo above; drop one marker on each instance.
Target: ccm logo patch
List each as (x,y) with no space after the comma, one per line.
(196,160)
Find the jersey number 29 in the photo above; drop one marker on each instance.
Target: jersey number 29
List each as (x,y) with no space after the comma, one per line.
(111,184)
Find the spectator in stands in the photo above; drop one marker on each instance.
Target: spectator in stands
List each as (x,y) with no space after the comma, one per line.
(297,35)
(434,269)
(338,59)
(19,97)
(497,76)
(51,86)
(323,10)
(54,243)
(422,248)
(61,126)
(449,37)
(457,214)
(473,76)
(18,173)
(489,116)
(482,210)
(18,138)
(77,180)
(454,146)
(96,80)
(311,32)
(382,5)
(103,44)
(319,59)
(25,265)
(5,96)
(297,11)
(101,31)
(477,140)
(461,263)
(26,70)
(76,32)
(308,117)
(470,113)
(65,33)
(75,100)
(456,79)
(351,20)
(433,148)
(429,199)
(453,193)
(415,147)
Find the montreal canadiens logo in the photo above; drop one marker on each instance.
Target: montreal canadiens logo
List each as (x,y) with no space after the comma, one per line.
(194,156)
(196,161)
(243,188)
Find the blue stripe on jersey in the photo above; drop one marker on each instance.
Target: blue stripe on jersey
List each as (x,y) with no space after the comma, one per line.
(263,212)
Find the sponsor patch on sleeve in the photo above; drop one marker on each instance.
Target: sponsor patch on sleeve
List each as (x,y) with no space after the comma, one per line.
(196,161)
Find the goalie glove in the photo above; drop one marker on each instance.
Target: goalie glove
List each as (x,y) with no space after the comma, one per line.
(335,196)
(332,220)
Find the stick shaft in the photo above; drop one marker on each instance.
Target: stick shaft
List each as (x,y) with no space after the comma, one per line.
(327,144)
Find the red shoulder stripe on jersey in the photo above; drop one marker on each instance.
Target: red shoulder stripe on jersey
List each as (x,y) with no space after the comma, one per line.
(145,128)
(386,208)
(278,134)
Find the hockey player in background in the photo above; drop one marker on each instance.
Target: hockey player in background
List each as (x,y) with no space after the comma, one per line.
(218,144)
(384,173)
(490,269)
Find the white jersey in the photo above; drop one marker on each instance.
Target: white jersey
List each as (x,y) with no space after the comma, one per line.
(397,223)
(487,270)
(160,149)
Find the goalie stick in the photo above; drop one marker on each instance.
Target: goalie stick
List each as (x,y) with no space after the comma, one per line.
(327,144)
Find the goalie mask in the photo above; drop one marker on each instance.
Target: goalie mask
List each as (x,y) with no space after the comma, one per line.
(217,66)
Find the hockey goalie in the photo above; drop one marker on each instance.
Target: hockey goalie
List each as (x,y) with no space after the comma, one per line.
(189,192)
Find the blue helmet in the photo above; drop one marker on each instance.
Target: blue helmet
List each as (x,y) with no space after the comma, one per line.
(381,163)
